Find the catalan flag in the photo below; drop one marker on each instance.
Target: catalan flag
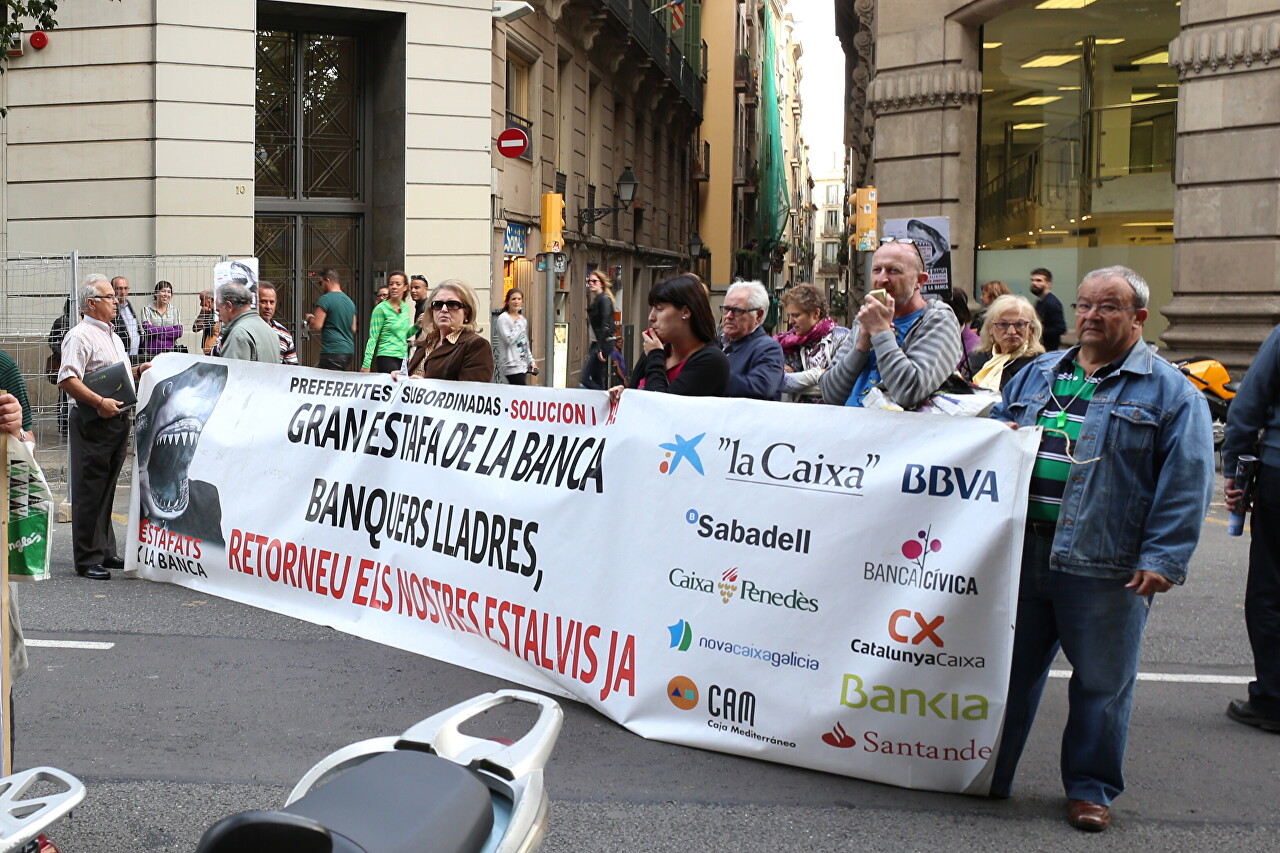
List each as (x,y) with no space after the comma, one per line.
(677,13)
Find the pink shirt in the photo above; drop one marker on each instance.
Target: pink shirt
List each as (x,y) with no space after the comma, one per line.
(90,345)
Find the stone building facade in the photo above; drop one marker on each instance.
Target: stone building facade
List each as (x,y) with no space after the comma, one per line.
(924,78)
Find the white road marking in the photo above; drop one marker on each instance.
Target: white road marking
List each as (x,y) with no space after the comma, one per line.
(1175,677)
(68,644)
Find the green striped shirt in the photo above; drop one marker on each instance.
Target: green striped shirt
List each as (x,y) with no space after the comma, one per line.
(1061,419)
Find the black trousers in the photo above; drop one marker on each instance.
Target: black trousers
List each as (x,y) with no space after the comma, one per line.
(387,363)
(335,360)
(516,378)
(1262,593)
(97,454)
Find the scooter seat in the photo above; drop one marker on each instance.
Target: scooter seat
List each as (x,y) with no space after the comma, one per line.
(402,801)
(396,802)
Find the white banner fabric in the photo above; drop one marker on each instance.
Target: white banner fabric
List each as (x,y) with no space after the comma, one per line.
(821,586)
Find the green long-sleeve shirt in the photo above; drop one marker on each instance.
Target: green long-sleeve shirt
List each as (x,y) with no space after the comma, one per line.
(388,331)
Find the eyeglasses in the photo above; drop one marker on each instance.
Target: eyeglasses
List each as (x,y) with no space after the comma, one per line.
(111,298)
(451,304)
(1020,325)
(907,240)
(726,310)
(1105,310)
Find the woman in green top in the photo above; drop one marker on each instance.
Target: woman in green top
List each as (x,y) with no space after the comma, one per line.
(388,328)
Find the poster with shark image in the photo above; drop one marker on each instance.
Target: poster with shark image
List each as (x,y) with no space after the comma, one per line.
(826,587)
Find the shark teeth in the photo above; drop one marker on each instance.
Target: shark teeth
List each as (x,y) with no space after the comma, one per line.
(178,505)
(183,437)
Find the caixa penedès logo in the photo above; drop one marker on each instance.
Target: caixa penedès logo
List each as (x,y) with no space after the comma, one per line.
(730,586)
(916,571)
(774,537)
(682,639)
(729,710)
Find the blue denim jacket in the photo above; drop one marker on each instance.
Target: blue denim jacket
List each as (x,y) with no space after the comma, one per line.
(1141,506)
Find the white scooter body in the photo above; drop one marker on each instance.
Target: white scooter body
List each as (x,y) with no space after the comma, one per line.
(399,796)
(22,818)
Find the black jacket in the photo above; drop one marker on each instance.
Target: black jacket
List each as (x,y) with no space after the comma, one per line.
(705,373)
(600,315)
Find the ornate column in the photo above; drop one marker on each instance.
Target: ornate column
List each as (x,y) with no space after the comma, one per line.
(924,97)
(1226,288)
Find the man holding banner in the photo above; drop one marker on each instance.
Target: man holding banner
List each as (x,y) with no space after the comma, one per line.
(904,343)
(1118,494)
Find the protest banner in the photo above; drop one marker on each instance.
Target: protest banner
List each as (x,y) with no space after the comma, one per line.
(815,585)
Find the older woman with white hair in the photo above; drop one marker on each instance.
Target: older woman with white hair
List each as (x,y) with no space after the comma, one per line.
(1010,341)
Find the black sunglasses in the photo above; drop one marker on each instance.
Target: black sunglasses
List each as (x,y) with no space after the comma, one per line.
(907,240)
(451,304)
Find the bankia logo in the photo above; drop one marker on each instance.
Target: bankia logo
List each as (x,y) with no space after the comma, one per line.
(681,450)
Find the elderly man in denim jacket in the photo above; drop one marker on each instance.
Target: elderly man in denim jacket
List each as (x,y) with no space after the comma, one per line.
(1118,495)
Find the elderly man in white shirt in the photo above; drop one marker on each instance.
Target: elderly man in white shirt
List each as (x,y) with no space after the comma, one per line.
(98,429)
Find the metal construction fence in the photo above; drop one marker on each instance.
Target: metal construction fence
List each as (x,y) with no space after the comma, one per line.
(35,289)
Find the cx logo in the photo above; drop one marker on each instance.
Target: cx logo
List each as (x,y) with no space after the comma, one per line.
(928,629)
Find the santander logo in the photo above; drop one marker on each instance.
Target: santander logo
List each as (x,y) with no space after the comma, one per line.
(838,738)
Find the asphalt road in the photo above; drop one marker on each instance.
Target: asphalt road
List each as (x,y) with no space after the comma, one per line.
(203,707)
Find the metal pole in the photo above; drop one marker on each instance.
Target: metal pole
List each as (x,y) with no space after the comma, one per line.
(549,323)
(73,316)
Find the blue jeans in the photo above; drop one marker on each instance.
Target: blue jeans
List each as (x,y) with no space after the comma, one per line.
(1098,624)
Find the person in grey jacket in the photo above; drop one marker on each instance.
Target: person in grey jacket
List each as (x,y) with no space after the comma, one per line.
(245,335)
(906,344)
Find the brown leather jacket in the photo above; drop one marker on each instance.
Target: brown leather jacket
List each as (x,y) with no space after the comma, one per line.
(468,359)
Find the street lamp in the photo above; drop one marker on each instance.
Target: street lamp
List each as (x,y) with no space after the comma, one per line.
(624,192)
(695,247)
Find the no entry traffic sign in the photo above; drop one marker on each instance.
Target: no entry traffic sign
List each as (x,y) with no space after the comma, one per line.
(513,142)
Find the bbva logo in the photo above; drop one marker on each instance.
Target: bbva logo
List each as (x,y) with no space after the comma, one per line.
(940,481)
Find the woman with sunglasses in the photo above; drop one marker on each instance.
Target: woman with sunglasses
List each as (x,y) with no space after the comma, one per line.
(447,346)
(680,351)
(600,325)
(1010,341)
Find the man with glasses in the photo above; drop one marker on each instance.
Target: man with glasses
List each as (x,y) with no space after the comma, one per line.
(1118,494)
(755,359)
(335,320)
(906,345)
(98,429)
(127,324)
(1049,307)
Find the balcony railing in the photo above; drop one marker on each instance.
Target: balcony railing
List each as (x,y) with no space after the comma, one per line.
(648,31)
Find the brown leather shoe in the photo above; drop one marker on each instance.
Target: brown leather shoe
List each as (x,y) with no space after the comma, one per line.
(1091,817)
